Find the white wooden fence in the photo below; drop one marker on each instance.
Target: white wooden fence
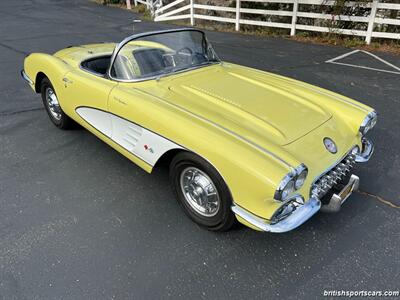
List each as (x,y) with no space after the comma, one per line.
(189,9)
(145,2)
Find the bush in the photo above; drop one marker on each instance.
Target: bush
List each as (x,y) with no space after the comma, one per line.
(105,2)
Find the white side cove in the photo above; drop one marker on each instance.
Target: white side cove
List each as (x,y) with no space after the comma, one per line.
(143,143)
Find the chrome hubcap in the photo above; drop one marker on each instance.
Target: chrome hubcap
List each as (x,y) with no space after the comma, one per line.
(200,192)
(52,104)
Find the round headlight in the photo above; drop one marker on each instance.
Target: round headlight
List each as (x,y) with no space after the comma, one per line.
(292,181)
(288,189)
(300,179)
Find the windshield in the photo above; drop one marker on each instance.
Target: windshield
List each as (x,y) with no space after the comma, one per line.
(160,54)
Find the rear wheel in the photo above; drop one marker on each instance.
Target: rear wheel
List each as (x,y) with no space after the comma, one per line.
(53,108)
(201,192)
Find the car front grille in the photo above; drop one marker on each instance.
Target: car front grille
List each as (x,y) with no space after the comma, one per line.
(329,179)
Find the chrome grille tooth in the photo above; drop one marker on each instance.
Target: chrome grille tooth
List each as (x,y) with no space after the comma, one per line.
(326,181)
(341,170)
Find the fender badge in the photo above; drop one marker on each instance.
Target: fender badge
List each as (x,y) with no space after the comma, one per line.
(330,145)
(147,148)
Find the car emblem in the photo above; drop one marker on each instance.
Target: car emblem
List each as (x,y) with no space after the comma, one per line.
(148,148)
(330,145)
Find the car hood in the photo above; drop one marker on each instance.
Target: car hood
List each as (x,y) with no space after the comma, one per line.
(253,104)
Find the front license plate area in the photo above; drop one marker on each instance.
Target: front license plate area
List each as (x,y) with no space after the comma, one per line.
(339,198)
(347,190)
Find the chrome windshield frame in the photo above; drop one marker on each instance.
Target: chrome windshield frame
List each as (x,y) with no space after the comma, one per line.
(128,39)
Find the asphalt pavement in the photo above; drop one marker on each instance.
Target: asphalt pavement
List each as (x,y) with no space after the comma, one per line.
(79,221)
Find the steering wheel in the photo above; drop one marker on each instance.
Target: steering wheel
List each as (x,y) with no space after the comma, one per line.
(185,51)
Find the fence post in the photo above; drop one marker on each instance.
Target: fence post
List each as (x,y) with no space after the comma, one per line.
(294,17)
(371,22)
(191,12)
(128,4)
(135,3)
(237,23)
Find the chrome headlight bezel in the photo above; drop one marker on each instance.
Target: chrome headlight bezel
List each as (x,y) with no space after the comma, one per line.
(368,123)
(301,178)
(288,185)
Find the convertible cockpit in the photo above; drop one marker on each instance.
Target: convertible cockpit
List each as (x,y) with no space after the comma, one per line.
(153,56)
(98,65)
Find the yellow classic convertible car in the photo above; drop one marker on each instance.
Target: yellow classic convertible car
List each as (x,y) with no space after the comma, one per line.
(241,143)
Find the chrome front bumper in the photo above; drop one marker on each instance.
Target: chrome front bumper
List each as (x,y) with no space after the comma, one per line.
(366,151)
(313,205)
(26,78)
(298,217)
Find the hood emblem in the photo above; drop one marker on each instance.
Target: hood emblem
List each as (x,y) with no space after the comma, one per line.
(330,145)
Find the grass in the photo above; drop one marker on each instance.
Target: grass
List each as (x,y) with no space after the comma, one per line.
(383,45)
(388,46)
(140,9)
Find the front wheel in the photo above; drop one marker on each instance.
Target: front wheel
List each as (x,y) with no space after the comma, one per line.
(201,192)
(52,105)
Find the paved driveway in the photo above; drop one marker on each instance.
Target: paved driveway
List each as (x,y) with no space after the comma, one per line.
(79,221)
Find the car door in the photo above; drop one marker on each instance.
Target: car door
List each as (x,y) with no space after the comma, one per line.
(134,124)
(87,96)
(130,108)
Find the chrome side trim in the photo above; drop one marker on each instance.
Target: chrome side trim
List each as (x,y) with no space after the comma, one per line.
(26,78)
(298,217)
(366,151)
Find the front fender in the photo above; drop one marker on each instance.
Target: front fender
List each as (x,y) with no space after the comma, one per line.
(252,175)
(52,67)
(343,109)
